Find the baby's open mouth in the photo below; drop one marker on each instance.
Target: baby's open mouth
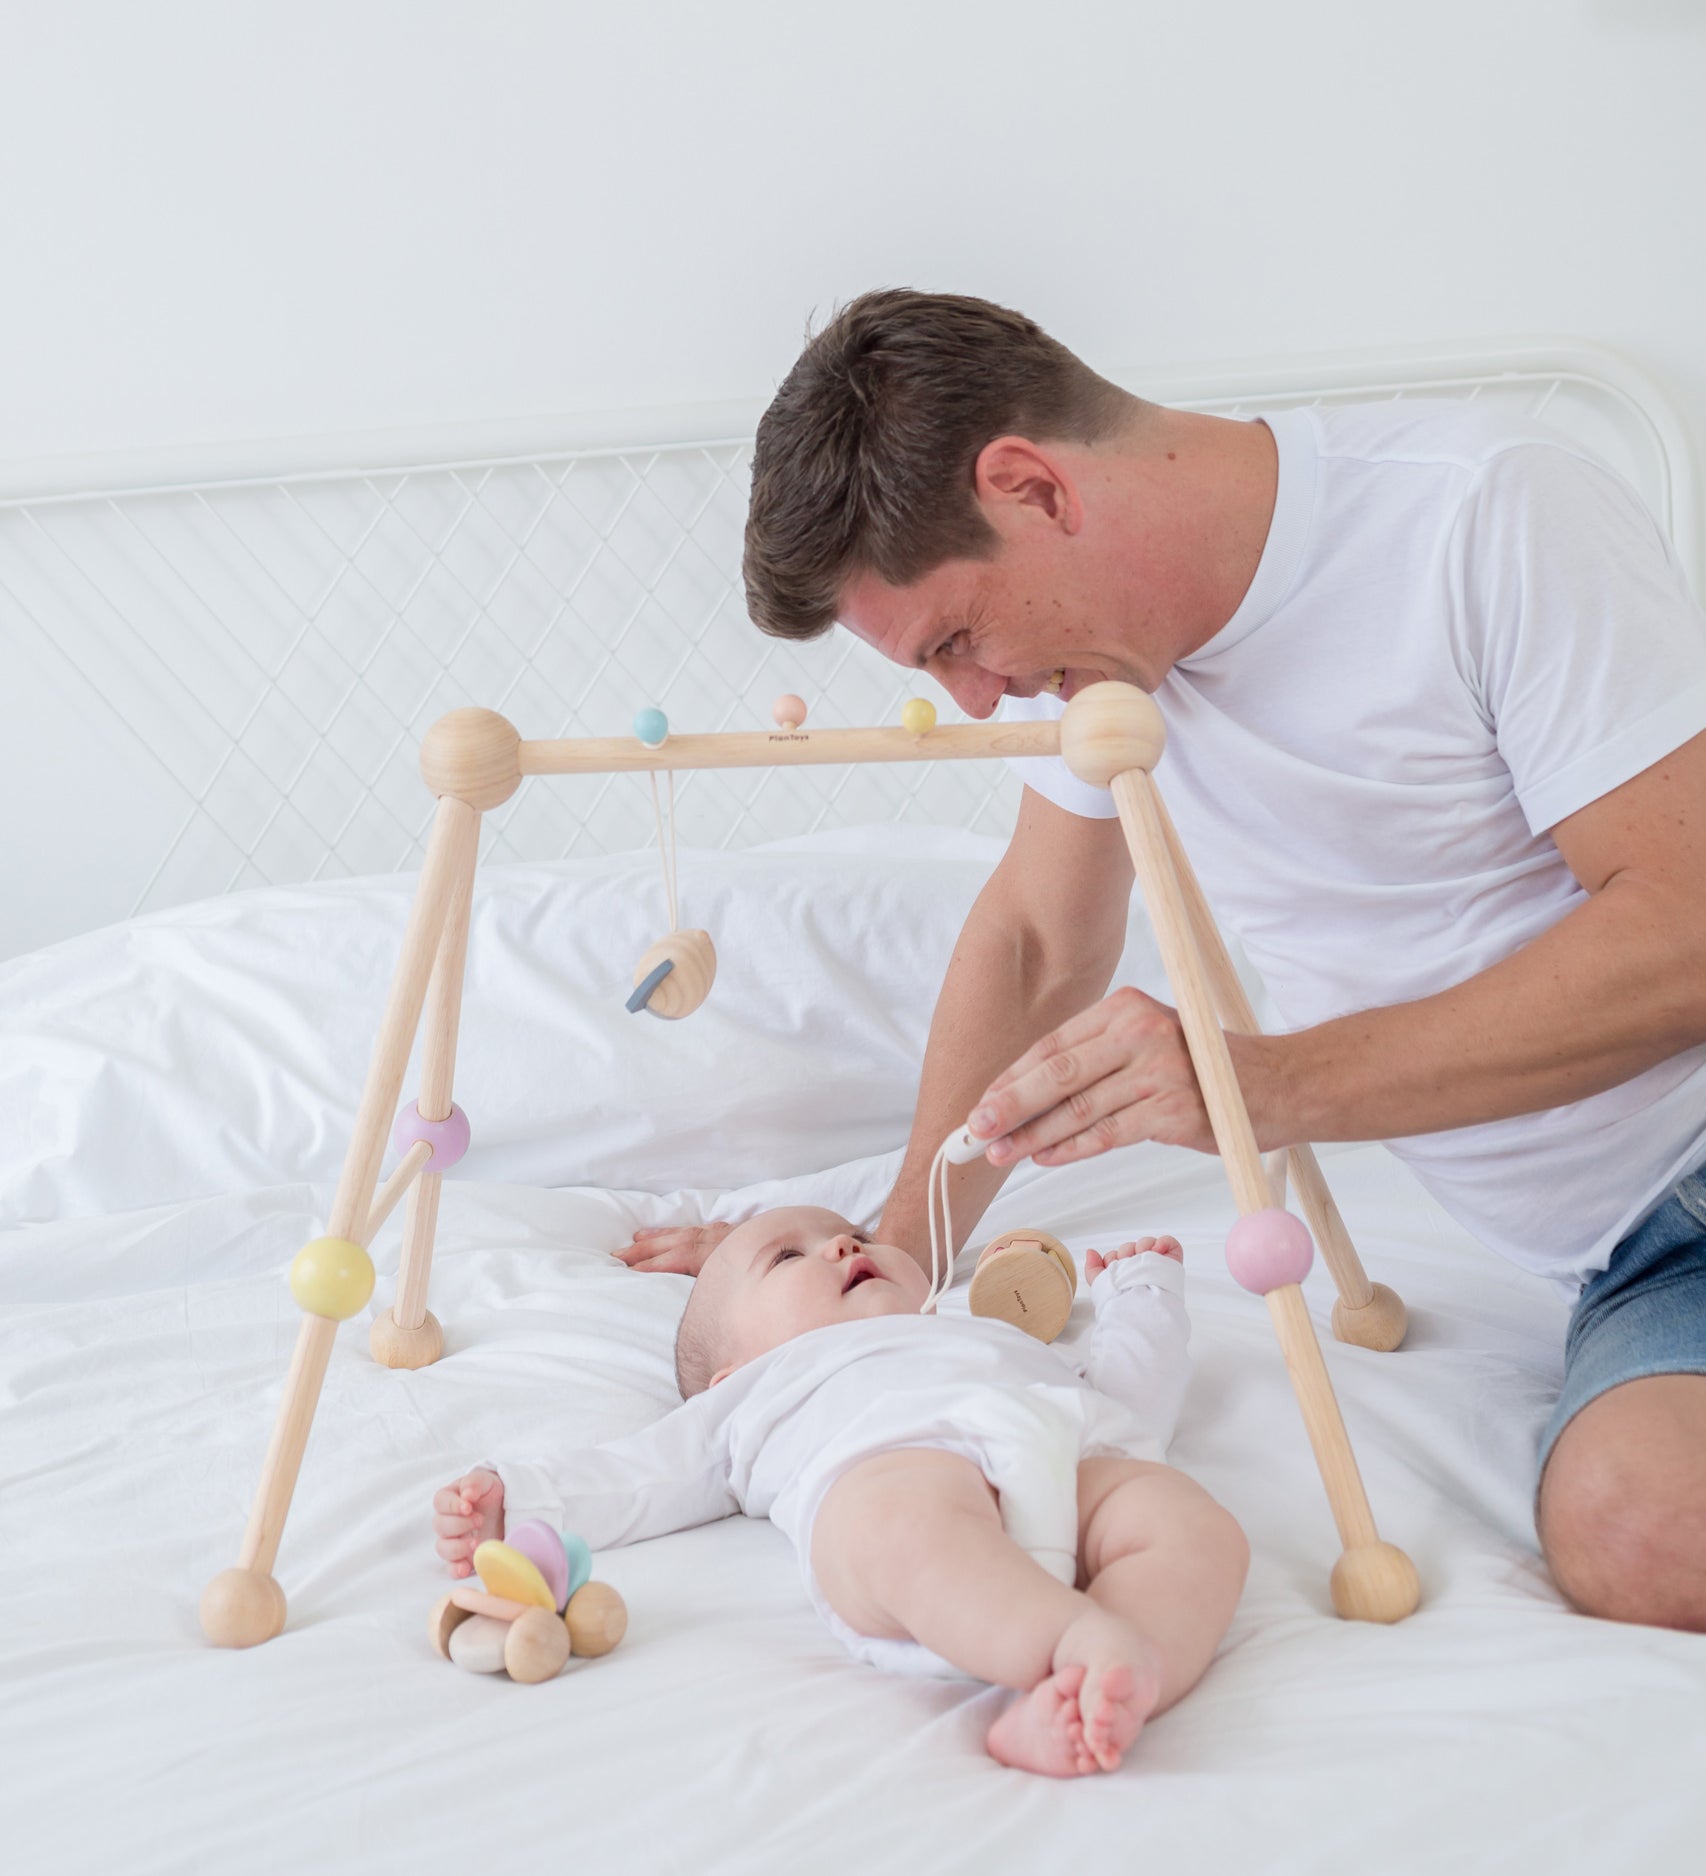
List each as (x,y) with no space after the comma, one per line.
(858,1269)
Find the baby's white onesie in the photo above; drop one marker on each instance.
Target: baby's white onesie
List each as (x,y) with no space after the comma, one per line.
(773,1437)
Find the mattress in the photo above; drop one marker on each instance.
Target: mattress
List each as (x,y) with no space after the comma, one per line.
(141,1358)
(175,1094)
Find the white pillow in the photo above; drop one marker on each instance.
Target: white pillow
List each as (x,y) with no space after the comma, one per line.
(222,1046)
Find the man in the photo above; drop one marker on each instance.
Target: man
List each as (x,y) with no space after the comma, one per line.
(1435,693)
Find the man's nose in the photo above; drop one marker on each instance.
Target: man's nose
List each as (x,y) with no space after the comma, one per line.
(974,689)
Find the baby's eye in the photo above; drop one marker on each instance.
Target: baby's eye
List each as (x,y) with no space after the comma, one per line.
(787,1250)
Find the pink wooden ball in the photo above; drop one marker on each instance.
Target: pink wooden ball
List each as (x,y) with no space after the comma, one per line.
(788,711)
(1268,1249)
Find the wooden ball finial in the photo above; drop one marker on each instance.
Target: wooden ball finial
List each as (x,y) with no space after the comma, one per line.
(474,755)
(788,712)
(1375,1583)
(242,1607)
(1109,729)
(1380,1323)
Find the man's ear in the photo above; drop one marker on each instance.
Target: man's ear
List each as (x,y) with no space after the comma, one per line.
(1013,469)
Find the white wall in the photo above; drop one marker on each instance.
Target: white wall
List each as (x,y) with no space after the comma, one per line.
(256,218)
(249,219)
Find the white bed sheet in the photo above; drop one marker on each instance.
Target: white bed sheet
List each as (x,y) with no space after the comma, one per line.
(141,1359)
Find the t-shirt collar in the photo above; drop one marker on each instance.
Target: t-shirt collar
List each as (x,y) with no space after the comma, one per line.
(1294,507)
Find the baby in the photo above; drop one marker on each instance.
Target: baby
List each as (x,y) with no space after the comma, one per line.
(963,1498)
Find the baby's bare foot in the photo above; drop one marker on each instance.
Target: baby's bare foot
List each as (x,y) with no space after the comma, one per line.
(1041,1730)
(1122,1682)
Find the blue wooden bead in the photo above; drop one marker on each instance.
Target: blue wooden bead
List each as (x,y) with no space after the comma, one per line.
(651,726)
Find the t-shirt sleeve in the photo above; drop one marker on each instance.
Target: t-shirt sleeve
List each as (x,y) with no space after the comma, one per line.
(1586,648)
(1049,775)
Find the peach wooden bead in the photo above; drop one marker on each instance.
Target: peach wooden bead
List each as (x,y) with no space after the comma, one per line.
(788,712)
(447,1616)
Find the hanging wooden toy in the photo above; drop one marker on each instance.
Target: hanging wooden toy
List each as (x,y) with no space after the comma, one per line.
(675,975)
(1025,1276)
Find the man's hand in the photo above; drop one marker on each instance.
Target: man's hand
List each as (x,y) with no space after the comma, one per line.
(682,1248)
(1115,1073)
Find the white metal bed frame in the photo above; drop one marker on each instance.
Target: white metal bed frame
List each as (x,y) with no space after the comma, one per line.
(256,637)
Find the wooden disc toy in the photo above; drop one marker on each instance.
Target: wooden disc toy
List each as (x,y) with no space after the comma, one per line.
(534,1606)
(1027,1278)
(675,976)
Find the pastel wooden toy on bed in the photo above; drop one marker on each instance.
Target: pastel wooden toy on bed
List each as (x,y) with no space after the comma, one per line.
(474,760)
(536,1605)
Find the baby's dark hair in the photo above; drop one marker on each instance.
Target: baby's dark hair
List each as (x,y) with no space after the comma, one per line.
(698,1343)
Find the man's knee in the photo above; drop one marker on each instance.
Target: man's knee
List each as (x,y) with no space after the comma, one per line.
(1623,1504)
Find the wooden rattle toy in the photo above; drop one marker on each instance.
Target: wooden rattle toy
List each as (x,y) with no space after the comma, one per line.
(675,975)
(1027,1278)
(536,1606)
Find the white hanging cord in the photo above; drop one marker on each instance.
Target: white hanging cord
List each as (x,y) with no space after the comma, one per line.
(960,1148)
(666,860)
(940,1278)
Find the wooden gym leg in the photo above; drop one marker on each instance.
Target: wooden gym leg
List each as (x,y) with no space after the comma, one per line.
(1370,1315)
(245,1605)
(1371,1581)
(408,1335)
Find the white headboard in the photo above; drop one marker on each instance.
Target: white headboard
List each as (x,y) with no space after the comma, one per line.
(215,668)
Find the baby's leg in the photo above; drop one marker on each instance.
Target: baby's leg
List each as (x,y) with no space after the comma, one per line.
(909,1545)
(1159,1558)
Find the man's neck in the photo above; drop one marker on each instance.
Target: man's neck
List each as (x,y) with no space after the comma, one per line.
(1220,478)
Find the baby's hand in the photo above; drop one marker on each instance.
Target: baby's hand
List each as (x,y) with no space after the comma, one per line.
(465,1515)
(1095,1263)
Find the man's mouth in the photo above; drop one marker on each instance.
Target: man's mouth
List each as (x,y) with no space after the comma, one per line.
(858,1270)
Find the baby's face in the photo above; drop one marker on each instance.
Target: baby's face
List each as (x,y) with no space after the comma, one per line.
(788,1271)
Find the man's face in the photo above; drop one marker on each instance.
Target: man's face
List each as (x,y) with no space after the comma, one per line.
(985,629)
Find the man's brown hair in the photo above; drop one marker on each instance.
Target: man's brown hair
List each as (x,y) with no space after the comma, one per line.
(866,459)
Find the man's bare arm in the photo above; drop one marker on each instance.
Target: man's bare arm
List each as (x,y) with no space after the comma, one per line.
(1617,985)
(1039,945)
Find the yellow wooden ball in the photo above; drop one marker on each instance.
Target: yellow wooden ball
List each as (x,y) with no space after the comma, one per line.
(331,1277)
(918,714)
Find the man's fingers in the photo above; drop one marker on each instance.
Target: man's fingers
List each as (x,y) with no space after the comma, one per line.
(675,1263)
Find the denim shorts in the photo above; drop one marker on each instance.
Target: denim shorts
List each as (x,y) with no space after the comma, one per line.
(1645,1313)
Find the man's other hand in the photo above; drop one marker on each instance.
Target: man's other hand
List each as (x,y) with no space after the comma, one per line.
(682,1248)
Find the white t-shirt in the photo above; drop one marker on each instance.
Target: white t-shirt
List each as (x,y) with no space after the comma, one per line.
(1462,630)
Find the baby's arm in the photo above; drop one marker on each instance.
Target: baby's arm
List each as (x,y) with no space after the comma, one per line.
(1138,1342)
(666,1477)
